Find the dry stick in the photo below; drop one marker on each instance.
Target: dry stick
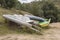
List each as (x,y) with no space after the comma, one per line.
(34,29)
(38,27)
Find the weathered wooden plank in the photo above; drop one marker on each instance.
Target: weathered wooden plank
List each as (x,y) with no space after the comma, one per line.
(16,20)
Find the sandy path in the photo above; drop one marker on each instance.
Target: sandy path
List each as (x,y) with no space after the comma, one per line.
(51,34)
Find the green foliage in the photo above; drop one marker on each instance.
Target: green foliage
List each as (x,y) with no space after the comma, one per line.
(8,3)
(50,11)
(18,5)
(42,9)
(34,8)
(37,8)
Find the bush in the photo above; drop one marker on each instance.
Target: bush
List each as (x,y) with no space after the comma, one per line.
(50,11)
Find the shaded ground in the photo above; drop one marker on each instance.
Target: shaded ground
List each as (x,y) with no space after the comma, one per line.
(51,34)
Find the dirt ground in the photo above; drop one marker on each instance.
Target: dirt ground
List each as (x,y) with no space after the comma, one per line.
(51,34)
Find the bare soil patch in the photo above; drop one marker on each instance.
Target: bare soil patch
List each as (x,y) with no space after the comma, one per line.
(51,34)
